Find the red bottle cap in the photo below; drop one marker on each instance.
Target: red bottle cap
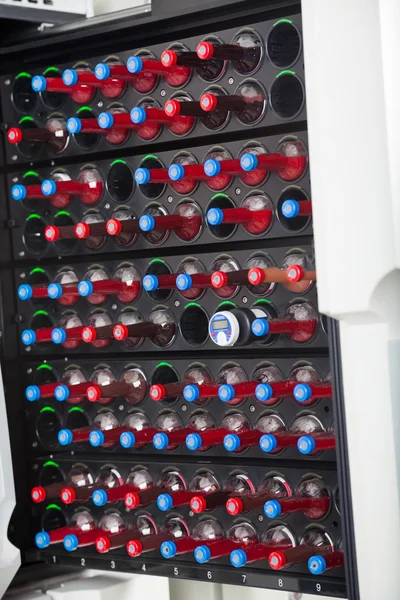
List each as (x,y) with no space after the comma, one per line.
(89,334)
(120,332)
(255,276)
(134,548)
(157,392)
(234,506)
(113,227)
(68,495)
(169,58)
(131,500)
(172,107)
(205,50)
(82,230)
(103,544)
(219,279)
(51,233)
(38,494)
(93,393)
(294,273)
(208,102)
(14,135)
(277,560)
(198,504)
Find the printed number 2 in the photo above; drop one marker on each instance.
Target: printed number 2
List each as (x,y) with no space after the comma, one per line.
(318,587)
(83,563)
(176,572)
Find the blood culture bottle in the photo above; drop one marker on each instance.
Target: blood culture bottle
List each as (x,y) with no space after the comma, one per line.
(270,423)
(91,229)
(196,374)
(313,541)
(60,189)
(303,425)
(209,494)
(230,374)
(172,433)
(289,162)
(68,331)
(275,538)
(160,328)
(311,498)
(103,420)
(207,530)
(81,521)
(125,285)
(72,387)
(64,287)
(240,535)
(232,423)
(99,330)
(78,476)
(79,93)
(149,539)
(185,282)
(235,393)
(111,523)
(273,486)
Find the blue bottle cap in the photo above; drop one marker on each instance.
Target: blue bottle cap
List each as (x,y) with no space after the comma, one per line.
(138,115)
(96,438)
(306,444)
(268,442)
(176,172)
(191,392)
(25,291)
(74,125)
(202,554)
(49,187)
(164,502)
(58,335)
(212,167)
(85,288)
(183,281)
(194,441)
(231,442)
(61,393)
(99,497)
(160,441)
(150,282)
(249,162)
(54,290)
(215,216)
(127,439)
(39,83)
(134,64)
(302,392)
(142,176)
(18,192)
(272,509)
(238,558)
(168,549)
(105,120)
(32,393)
(102,71)
(65,437)
(263,392)
(70,77)
(316,565)
(260,327)
(290,209)
(71,542)
(226,392)
(28,337)
(42,540)
(147,222)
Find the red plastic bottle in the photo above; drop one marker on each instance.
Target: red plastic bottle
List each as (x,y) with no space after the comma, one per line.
(314,541)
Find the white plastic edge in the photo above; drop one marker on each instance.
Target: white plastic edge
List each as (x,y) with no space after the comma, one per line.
(351,48)
(10,558)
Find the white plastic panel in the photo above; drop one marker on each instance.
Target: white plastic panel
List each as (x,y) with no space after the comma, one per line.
(353,118)
(10,558)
